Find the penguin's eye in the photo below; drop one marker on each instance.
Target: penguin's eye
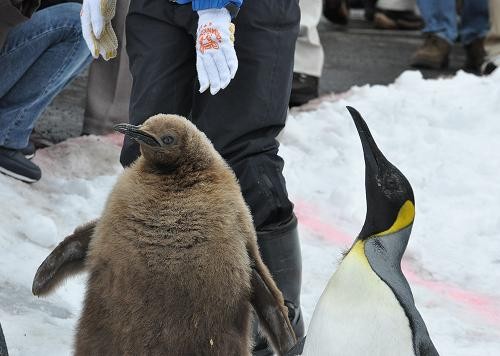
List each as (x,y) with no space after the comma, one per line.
(168,139)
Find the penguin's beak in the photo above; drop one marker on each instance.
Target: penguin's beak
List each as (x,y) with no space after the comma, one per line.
(371,152)
(135,133)
(387,189)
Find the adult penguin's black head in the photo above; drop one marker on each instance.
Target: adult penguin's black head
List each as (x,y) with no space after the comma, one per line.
(169,142)
(389,197)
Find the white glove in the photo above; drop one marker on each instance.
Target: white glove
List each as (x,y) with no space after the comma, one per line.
(216,60)
(97,31)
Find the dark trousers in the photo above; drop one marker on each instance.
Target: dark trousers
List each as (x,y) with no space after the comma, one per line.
(243,120)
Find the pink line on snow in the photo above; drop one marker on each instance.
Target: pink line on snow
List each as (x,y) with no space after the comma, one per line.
(309,218)
(485,306)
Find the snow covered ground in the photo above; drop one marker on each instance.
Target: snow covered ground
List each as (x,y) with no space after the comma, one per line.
(442,134)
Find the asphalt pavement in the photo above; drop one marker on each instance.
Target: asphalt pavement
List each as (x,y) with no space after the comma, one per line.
(358,54)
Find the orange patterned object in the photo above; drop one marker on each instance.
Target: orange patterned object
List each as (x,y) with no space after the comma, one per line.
(209,38)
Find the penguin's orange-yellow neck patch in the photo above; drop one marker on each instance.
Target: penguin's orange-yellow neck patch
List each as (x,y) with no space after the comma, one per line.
(358,251)
(405,217)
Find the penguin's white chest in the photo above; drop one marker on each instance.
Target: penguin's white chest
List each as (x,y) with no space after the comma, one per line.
(358,314)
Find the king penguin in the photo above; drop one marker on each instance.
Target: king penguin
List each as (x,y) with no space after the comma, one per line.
(367,307)
(173,262)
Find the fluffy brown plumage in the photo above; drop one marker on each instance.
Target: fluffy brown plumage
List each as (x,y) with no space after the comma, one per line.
(171,258)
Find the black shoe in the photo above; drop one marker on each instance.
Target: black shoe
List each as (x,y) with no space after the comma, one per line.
(29,151)
(280,251)
(488,67)
(337,11)
(475,55)
(14,164)
(304,88)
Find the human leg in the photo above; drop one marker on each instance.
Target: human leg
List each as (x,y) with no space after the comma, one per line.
(440,32)
(162,63)
(243,121)
(475,20)
(440,18)
(109,84)
(39,57)
(473,30)
(494,10)
(309,56)
(492,42)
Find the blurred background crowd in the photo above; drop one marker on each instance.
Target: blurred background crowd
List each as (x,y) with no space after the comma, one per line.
(340,43)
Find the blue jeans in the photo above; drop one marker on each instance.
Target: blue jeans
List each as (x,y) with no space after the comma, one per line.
(440,18)
(39,57)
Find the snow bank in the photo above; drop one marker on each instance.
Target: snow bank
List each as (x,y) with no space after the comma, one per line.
(77,176)
(442,134)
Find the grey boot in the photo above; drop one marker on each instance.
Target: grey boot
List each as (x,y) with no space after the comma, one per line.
(433,54)
(280,251)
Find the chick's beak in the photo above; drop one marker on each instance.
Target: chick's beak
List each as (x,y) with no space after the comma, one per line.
(135,133)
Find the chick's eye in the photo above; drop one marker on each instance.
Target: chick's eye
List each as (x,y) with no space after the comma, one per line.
(168,139)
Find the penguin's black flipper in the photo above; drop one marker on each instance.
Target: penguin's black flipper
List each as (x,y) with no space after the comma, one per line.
(67,259)
(272,315)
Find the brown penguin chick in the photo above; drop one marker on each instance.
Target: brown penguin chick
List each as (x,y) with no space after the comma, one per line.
(69,257)
(170,260)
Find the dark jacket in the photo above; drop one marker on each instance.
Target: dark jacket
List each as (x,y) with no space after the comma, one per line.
(13,12)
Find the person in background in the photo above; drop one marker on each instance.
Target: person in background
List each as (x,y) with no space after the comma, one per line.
(385,14)
(492,43)
(396,15)
(309,56)
(109,81)
(40,52)
(442,29)
(228,67)
(109,84)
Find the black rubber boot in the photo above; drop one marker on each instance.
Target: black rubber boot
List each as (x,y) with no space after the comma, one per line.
(475,56)
(304,88)
(280,251)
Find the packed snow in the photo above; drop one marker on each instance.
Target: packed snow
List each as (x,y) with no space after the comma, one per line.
(442,134)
